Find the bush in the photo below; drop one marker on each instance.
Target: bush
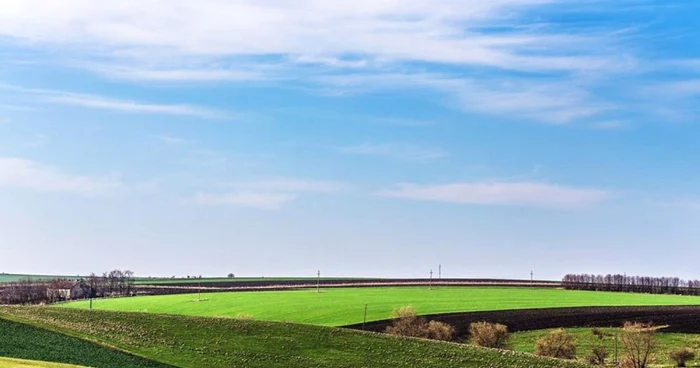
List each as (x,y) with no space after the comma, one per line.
(556,344)
(407,323)
(489,335)
(597,356)
(682,356)
(440,331)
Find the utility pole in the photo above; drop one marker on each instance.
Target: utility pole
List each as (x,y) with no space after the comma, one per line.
(430,285)
(440,271)
(364,320)
(532,277)
(318,281)
(199,290)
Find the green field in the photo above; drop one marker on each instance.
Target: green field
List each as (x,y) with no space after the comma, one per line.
(7,277)
(19,340)
(210,342)
(585,340)
(344,306)
(21,363)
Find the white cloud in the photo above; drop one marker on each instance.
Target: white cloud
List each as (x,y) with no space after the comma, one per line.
(99,102)
(313,31)
(399,151)
(181,74)
(293,185)
(28,174)
(531,194)
(561,102)
(171,139)
(257,200)
(107,103)
(266,194)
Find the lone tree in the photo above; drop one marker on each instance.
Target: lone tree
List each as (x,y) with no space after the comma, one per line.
(639,341)
(556,344)
(489,335)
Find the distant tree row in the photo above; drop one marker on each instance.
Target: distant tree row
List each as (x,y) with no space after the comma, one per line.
(633,284)
(27,291)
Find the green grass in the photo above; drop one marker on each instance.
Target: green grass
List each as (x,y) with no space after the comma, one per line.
(210,342)
(20,363)
(19,340)
(585,340)
(6,277)
(344,306)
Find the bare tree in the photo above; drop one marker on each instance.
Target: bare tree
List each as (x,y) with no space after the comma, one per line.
(556,344)
(639,341)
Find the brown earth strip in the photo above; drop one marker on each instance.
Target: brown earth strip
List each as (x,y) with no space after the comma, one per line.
(683,319)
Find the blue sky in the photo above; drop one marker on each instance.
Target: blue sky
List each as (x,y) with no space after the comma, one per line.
(366,138)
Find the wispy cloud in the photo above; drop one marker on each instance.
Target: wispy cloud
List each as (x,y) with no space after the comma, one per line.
(171,139)
(270,194)
(531,194)
(257,200)
(193,74)
(552,102)
(107,103)
(28,174)
(400,151)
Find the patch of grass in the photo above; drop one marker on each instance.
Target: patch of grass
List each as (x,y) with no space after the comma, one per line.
(19,340)
(210,342)
(20,363)
(344,306)
(585,340)
(7,277)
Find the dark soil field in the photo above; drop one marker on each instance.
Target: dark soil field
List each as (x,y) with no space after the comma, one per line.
(682,319)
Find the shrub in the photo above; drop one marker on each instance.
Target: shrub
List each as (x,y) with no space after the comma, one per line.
(597,356)
(682,356)
(556,344)
(440,331)
(407,323)
(489,335)
(639,341)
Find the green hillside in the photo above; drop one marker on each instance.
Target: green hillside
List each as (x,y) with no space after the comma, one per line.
(21,363)
(210,342)
(344,306)
(18,340)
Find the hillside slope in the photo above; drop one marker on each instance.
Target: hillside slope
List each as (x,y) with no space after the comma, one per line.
(210,342)
(21,363)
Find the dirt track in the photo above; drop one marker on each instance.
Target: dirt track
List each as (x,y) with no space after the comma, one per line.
(679,319)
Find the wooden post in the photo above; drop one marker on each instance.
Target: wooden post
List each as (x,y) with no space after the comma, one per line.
(318,281)
(364,320)
(430,284)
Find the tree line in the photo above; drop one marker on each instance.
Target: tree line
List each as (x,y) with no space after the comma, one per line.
(632,284)
(28,291)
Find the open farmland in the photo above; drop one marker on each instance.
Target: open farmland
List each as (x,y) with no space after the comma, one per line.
(345,306)
(7,277)
(210,342)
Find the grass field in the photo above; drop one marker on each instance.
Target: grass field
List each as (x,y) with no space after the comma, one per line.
(21,363)
(6,277)
(344,306)
(210,342)
(525,342)
(19,340)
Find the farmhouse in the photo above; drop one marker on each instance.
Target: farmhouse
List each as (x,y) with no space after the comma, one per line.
(68,290)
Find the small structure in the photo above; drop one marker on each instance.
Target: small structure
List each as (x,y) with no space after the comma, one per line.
(60,290)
